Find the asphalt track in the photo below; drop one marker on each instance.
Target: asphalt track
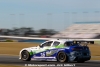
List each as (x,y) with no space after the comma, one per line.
(4,59)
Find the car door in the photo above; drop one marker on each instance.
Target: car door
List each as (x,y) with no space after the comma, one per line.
(43,49)
(50,53)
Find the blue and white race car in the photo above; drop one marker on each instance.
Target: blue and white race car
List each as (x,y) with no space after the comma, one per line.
(61,50)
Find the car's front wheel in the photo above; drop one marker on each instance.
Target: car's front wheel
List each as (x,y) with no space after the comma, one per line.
(62,57)
(25,56)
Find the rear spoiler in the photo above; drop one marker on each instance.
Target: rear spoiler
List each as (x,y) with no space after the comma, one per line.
(82,41)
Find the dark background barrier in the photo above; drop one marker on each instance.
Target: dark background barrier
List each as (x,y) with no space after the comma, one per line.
(32,40)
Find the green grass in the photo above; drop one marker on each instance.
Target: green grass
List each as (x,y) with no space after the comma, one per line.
(2,65)
(97,42)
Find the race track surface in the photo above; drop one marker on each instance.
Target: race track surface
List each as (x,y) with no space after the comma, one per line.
(15,61)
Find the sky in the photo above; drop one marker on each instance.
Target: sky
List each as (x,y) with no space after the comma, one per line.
(49,14)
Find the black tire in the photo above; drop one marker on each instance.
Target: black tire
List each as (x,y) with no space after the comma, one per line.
(25,56)
(62,57)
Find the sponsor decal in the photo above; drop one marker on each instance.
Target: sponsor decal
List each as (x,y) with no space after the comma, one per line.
(31,53)
(61,49)
(51,52)
(42,54)
(72,56)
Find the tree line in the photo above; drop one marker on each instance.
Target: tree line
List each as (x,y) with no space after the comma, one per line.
(26,31)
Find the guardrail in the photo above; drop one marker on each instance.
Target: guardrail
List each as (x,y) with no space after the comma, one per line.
(17,37)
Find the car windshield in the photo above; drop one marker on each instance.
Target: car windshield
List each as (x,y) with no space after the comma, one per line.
(71,44)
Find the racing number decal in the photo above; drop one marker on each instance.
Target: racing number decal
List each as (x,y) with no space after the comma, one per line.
(43,54)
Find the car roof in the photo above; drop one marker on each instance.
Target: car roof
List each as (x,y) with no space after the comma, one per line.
(61,40)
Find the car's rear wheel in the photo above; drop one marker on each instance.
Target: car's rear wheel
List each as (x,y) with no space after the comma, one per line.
(62,57)
(25,56)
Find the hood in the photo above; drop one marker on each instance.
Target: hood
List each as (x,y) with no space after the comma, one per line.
(34,47)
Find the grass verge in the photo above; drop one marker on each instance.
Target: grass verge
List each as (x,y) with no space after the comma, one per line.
(95,50)
(95,58)
(2,65)
(13,48)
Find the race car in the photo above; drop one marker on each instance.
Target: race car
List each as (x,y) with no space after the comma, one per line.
(61,50)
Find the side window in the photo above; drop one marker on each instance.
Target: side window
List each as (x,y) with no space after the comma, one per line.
(68,43)
(56,43)
(47,44)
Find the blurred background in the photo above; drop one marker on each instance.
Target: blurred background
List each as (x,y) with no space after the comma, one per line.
(34,21)
(52,18)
